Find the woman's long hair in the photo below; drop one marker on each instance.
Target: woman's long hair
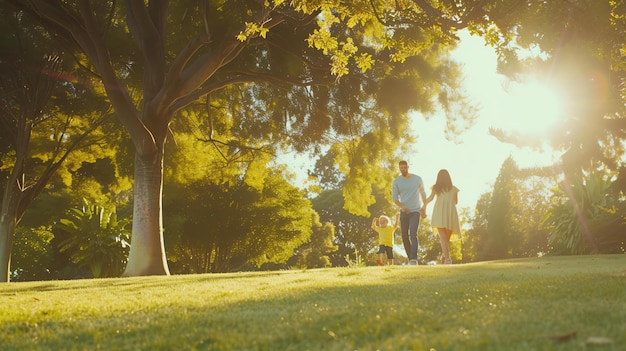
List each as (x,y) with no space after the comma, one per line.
(444,182)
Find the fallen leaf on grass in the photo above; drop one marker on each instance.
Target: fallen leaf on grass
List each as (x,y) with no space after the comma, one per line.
(564,337)
(621,274)
(598,340)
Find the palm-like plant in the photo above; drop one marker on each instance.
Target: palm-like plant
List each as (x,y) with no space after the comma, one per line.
(582,212)
(96,239)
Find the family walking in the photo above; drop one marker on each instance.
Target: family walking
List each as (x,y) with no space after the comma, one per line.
(409,195)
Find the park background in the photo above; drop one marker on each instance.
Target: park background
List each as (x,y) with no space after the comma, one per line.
(228,203)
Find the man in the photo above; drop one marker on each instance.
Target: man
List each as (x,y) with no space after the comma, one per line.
(406,191)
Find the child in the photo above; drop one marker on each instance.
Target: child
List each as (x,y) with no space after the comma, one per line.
(385,237)
(445,219)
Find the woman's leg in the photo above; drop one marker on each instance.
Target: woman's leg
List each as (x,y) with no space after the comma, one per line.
(444,239)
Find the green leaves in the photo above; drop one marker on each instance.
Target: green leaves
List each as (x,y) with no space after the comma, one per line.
(252,30)
(233,222)
(585,217)
(96,239)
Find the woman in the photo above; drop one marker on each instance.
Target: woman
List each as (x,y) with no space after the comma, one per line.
(445,219)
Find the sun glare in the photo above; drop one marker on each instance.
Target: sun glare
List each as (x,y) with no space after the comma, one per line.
(534,109)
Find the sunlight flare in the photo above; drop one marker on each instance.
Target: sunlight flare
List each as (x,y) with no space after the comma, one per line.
(535,109)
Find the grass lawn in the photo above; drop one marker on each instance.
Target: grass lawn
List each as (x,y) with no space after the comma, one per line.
(548,303)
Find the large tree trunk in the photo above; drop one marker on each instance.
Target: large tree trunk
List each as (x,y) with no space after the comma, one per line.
(8,222)
(147,250)
(7,231)
(10,214)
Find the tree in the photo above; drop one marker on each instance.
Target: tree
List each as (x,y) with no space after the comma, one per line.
(212,195)
(239,222)
(475,240)
(316,253)
(40,128)
(532,204)
(508,221)
(501,233)
(33,254)
(282,59)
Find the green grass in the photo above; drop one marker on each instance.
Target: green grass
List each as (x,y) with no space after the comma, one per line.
(526,304)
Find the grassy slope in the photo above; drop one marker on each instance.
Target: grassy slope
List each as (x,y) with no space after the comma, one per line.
(500,305)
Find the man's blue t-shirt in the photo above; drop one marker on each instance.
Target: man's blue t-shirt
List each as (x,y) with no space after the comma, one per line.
(408,191)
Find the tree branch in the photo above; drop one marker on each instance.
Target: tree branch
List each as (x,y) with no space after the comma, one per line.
(147,29)
(184,78)
(245,77)
(33,191)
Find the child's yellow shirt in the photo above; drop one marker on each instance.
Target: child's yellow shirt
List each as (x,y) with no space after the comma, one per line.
(385,235)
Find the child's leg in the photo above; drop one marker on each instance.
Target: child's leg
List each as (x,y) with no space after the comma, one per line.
(379,261)
(389,255)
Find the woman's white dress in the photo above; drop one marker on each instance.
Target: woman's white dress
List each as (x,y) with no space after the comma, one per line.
(444,212)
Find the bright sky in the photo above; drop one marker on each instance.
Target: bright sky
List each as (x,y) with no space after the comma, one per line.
(475,158)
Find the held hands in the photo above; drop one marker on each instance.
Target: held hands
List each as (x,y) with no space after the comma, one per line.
(423,212)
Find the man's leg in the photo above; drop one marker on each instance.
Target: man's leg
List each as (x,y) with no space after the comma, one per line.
(414,223)
(404,228)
